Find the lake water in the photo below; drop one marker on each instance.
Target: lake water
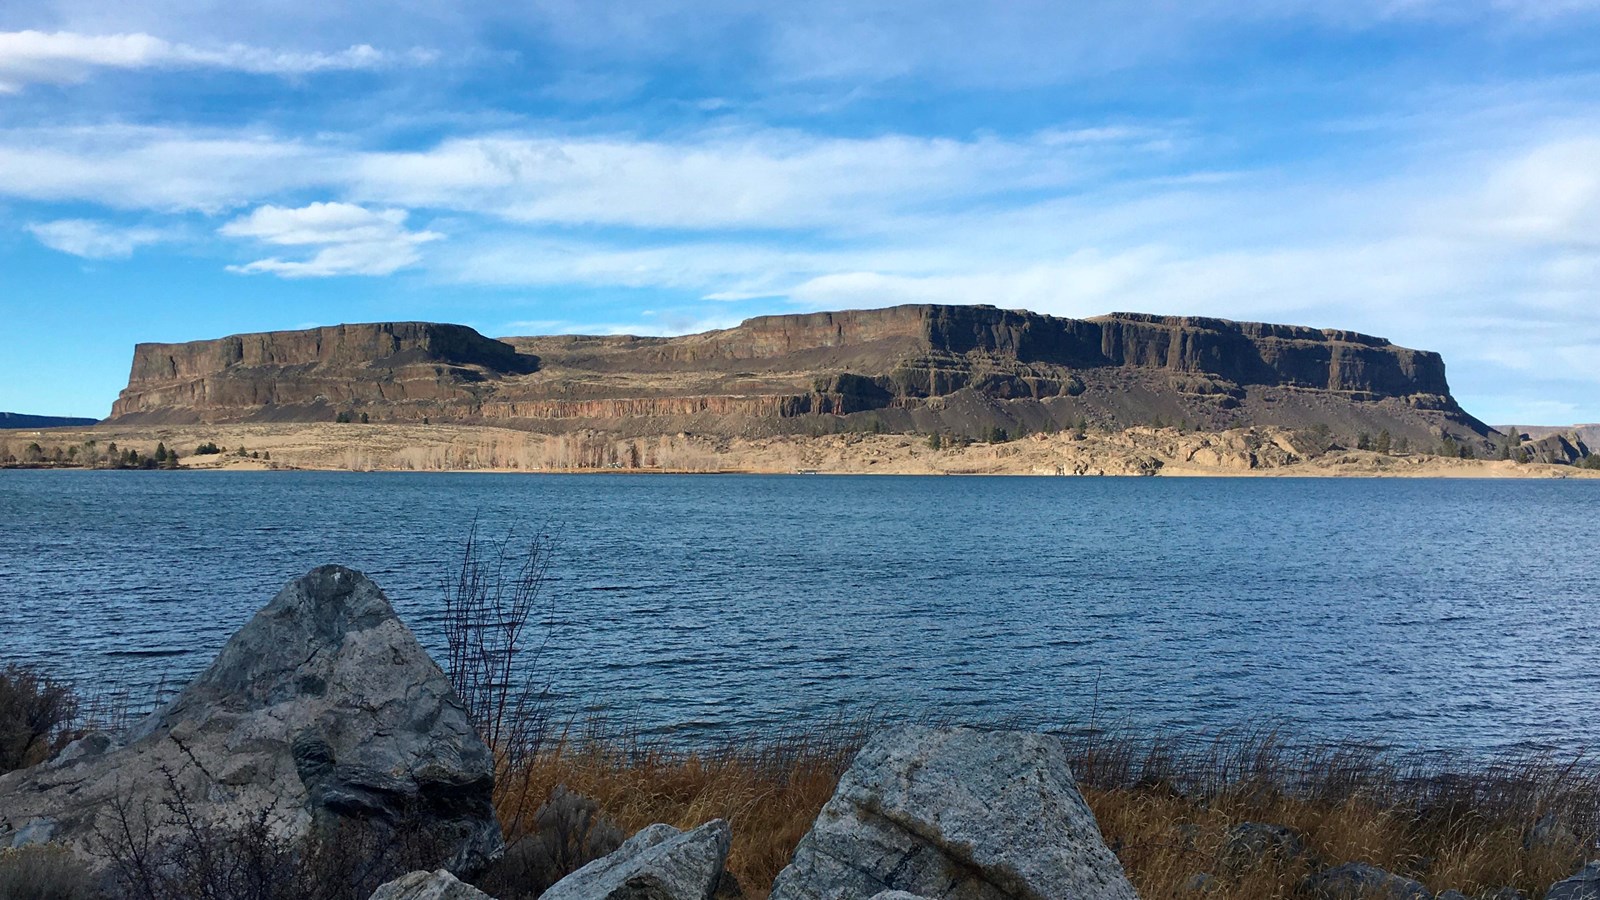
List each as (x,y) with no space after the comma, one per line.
(1430,614)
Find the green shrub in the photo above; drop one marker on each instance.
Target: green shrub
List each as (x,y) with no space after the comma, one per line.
(207,449)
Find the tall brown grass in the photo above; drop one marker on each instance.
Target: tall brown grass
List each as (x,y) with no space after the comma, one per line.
(1164,805)
(770,791)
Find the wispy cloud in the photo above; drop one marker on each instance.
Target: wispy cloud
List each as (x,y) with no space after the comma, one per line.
(351,240)
(753,178)
(94,240)
(64,57)
(165,169)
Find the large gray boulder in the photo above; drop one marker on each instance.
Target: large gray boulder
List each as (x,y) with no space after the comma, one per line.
(1583,886)
(658,863)
(956,814)
(323,711)
(436,885)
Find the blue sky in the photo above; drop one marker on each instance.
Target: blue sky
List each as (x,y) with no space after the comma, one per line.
(1427,171)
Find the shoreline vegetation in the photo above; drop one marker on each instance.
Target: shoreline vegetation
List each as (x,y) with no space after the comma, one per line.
(1239,815)
(353,446)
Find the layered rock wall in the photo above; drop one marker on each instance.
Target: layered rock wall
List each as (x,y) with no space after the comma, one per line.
(945,368)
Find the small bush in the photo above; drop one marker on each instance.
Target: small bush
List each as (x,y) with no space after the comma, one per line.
(45,872)
(207,449)
(36,717)
(568,832)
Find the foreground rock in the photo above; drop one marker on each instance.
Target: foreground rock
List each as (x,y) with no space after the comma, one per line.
(1249,844)
(323,710)
(1583,886)
(658,863)
(956,813)
(439,885)
(1360,881)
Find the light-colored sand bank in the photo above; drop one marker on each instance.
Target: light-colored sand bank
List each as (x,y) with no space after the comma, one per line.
(435,448)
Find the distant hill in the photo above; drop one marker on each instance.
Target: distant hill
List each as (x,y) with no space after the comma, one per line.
(1589,434)
(18,420)
(954,370)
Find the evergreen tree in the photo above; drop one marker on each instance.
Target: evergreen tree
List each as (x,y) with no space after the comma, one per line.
(1384,442)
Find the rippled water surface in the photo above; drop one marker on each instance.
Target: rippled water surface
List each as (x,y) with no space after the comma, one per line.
(1432,613)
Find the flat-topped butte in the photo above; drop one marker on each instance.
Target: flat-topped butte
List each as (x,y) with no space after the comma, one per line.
(924,369)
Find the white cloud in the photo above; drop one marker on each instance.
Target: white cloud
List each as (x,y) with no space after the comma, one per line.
(161,169)
(93,240)
(717,180)
(352,240)
(765,179)
(64,57)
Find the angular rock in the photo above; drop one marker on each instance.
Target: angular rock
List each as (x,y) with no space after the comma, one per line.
(323,710)
(437,885)
(1248,844)
(1360,881)
(658,863)
(1583,886)
(956,814)
(897,895)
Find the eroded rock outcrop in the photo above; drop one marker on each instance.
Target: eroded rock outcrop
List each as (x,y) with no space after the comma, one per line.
(956,813)
(323,711)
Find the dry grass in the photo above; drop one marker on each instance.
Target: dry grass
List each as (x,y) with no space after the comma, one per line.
(1166,807)
(769,791)
(1470,825)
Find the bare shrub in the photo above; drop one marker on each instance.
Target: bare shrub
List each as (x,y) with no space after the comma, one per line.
(565,834)
(497,625)
(168,851)
(36,717)
(45,872)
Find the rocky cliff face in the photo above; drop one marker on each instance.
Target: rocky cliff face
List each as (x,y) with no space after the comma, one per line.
(313,374)
(956,369)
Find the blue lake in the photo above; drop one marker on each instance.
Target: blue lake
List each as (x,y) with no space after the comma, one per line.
(1429,614)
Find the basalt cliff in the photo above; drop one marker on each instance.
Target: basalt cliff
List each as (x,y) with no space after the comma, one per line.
(957,370)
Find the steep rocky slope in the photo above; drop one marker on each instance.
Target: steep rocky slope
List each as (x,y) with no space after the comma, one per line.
(955,369)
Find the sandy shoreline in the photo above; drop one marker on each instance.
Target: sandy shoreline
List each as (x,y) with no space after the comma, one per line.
(1257,452)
